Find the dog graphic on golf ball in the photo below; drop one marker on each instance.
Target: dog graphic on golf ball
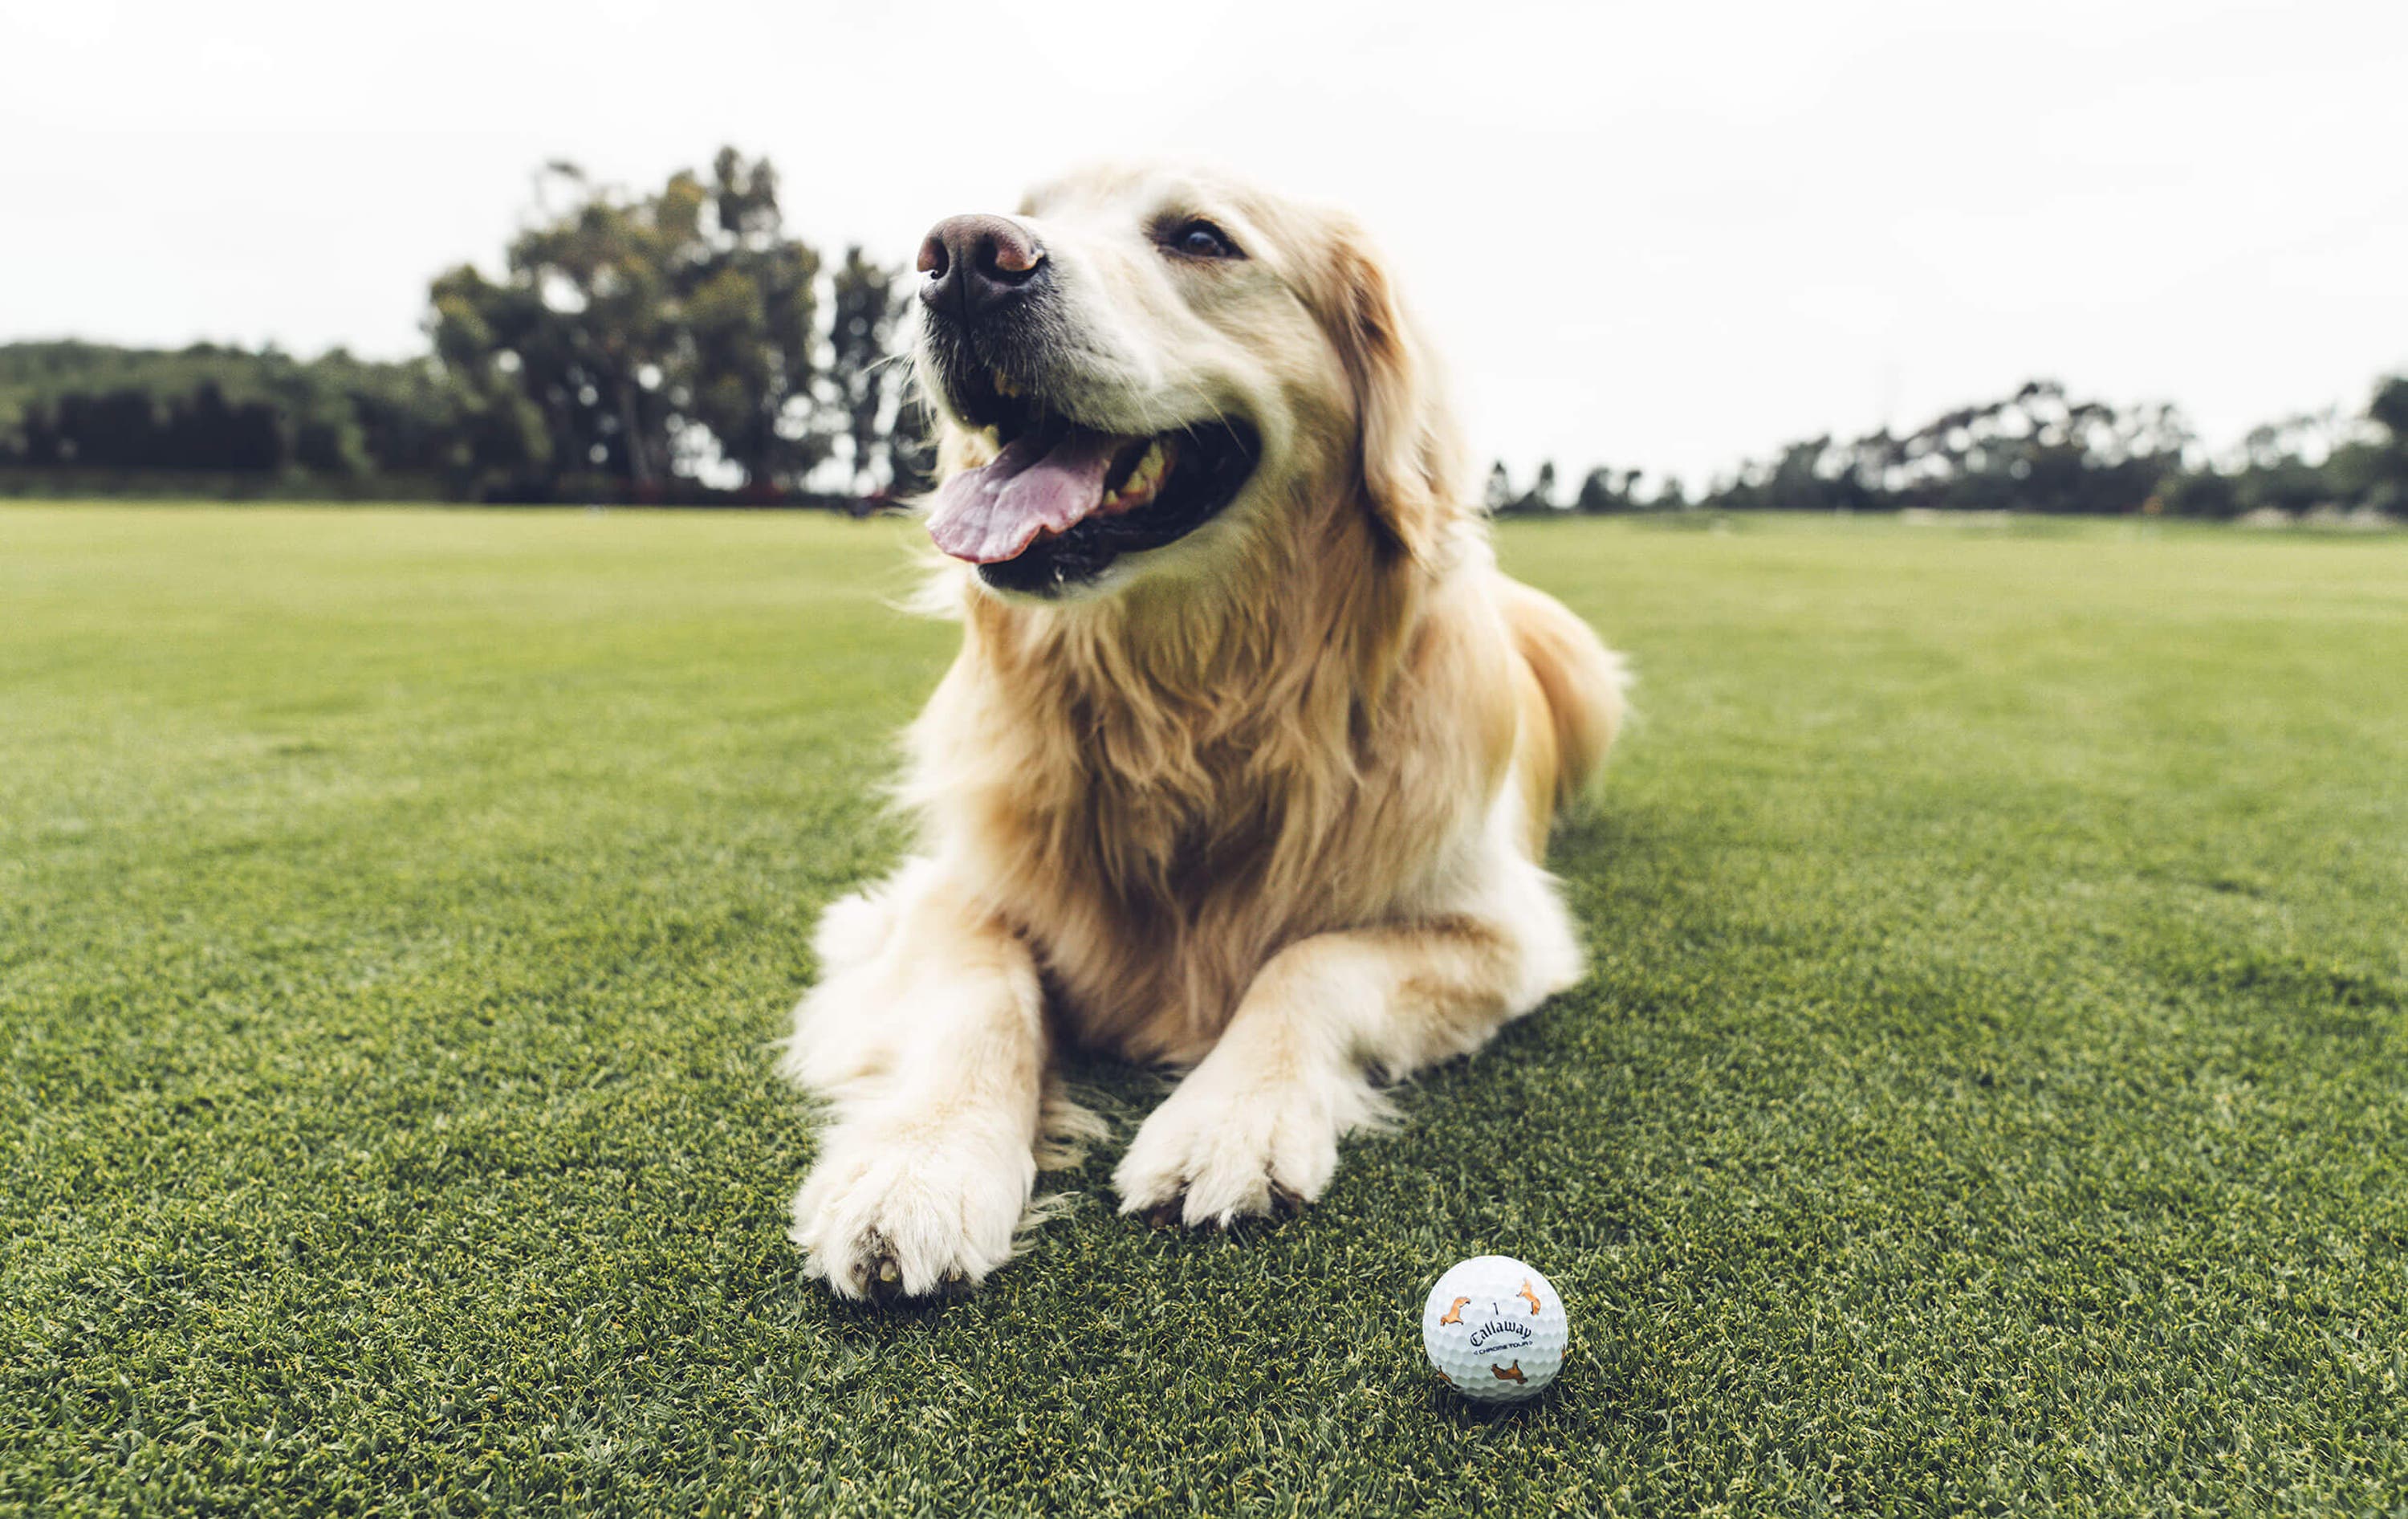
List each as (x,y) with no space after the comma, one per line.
(1494,1329)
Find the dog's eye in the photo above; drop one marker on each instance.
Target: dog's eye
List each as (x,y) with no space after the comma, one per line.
(1199,239)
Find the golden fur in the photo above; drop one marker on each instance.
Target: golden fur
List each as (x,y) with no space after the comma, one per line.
(1271,808)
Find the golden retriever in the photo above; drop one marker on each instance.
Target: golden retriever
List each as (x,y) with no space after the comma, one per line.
(1250,753)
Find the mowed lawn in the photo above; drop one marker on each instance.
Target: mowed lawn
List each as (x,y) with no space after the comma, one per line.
(1991,1090)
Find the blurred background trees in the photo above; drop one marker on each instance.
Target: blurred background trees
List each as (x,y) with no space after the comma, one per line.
(69,406)
(686,344)
(2040,450)
(677,345)
(645,341)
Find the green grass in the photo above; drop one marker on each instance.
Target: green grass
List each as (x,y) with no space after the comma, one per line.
(1991,1091)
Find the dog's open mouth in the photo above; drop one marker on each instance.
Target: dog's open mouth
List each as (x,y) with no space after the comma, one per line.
(1061,501)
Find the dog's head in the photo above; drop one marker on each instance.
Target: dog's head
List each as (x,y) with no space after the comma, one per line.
(1142,363)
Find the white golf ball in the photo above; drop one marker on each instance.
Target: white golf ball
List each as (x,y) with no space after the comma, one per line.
(1494,1329)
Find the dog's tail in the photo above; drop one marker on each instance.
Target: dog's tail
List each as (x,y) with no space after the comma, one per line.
(1581,679)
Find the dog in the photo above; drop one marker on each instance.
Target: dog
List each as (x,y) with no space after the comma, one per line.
(1249,757)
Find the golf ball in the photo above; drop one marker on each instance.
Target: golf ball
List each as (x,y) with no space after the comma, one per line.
(1494,1329)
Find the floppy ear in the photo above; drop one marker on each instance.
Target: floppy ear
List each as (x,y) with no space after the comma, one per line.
(1411,454)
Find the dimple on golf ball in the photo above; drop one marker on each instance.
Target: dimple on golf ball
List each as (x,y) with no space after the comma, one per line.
(1494,1329)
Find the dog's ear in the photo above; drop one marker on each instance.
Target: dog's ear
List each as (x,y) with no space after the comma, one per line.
(1411,455)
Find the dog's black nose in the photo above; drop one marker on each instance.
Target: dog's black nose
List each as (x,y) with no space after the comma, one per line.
(976,264)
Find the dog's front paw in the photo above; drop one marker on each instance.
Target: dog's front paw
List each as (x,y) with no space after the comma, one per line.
(888,1216)
(1218,1150)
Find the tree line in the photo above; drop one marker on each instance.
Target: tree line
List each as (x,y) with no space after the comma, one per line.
(686,344)
(2038,450)
(674,346)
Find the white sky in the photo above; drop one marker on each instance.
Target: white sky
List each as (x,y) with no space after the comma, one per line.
(1665,235)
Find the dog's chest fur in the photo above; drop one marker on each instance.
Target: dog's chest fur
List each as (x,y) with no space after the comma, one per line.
(1156,837)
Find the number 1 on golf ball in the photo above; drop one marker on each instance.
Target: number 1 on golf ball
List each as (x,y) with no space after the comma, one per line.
(1494,1329)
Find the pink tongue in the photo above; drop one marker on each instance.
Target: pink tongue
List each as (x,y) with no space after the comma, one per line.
(992,514)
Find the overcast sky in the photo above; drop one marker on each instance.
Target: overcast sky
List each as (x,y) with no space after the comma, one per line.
(1665,236)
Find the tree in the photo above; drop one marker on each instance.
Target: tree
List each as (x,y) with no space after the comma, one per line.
(2389,409)
(1540,497)
(2388,412)
(601,281)
(1603,490)
(1597,493)
(860,339)
(753,319)
(910,449)
(1797,483)
(2037,449)
(206,408)
(632,325)
(2201,493)
(1499,494)
(629,344)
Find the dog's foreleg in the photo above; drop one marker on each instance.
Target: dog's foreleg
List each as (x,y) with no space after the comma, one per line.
(931,1048)
(1257,1123)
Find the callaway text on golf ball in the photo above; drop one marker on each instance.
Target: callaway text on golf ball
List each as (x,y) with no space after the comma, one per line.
(1494,1329)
